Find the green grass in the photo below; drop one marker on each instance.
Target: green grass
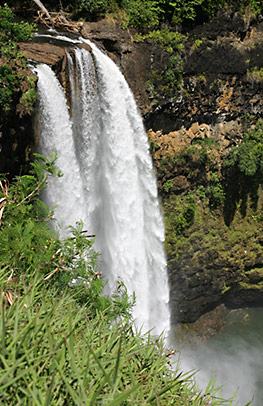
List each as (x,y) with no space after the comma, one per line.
(55,352)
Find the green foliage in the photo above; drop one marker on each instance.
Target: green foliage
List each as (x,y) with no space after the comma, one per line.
(93,9)
(24,231)
(11,31)
(173,75)
(184,10)
(11,60)
(170,41)
(255,75)
(9,81)
(141,13)
(210,7)
(243,170)
(206,143)
(215,191)
(148,14)
(248,156)
(198,43)
(252,6)
(153,147)
(54,352)
(245,7)
(195,154)
(168,185)
(180,215)
(201,192)
(28,99)
(152,13)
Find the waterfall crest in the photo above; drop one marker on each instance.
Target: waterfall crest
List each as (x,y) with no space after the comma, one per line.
(108,177)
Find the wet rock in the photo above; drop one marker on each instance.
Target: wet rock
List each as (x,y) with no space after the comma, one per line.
(50,54)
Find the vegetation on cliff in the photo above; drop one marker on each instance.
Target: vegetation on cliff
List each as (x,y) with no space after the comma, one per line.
(62,341)
(149,14)
(213,215)
(12,62)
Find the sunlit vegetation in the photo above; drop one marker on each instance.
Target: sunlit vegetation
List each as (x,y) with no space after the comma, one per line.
(150,14)
(12,61)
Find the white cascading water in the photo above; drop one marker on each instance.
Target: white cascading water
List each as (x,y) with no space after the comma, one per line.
(108,178)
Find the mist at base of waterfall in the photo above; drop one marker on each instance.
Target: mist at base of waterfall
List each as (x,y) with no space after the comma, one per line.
(234,357)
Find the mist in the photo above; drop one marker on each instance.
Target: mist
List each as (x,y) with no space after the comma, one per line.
(234,358)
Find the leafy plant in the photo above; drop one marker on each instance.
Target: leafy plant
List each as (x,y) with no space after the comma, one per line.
(168,185)
(198,42)
(184,10)
(180,215)
(243,169)
(141,14)
(29,99)
(247,157)
(215,191)
(169,40)
(255,75)
(253,7)
(12,61)
(93,9)
(172,42)
(54,352)
(195,154)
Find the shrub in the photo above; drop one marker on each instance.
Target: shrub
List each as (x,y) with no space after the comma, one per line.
(255,75)
(173,75)
(29,99)
(93,9)
(248,156)
(168,185)
(215,191)
(180,214)
(10,33)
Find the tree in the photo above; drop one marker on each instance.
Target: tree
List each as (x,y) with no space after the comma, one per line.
(42,7)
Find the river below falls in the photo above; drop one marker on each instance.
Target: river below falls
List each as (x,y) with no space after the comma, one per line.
(234,357)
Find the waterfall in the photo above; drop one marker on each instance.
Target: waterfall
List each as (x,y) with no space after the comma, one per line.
(108,179)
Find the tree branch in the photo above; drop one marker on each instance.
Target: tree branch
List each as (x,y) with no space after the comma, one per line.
(43,8)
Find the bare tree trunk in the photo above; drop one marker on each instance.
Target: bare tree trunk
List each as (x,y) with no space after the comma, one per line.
(43,8)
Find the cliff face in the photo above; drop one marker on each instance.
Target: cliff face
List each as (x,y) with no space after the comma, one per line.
(214,247)
(213,257)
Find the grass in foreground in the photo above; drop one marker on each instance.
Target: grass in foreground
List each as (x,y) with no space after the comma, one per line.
(56,352)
